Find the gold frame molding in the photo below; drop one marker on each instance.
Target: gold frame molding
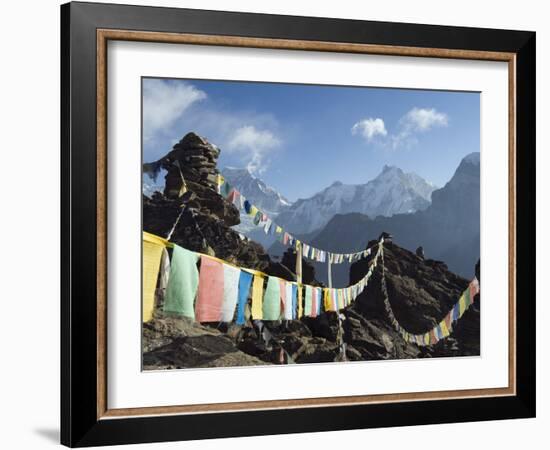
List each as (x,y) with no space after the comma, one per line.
(105,35)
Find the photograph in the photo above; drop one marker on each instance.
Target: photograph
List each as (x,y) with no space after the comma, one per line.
(297,223)
(274,222)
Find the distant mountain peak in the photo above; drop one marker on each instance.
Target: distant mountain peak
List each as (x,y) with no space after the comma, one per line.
(472,158)
(391,192)
(255,189)
(389,168)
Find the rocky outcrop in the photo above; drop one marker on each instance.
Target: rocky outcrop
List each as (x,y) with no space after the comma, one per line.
(205,217)
(421,293)
(178,343)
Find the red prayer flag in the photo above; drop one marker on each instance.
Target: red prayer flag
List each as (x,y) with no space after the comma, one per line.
(448,321)
(313,302)
(208,307)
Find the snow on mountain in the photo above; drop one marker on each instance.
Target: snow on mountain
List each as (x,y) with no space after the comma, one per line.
(260,194)
(255,190)
(448,230)
(391,192)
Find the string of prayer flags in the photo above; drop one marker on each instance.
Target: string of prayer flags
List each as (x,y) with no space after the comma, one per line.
(220,291)
(183,283)
(259,218)
(445,327)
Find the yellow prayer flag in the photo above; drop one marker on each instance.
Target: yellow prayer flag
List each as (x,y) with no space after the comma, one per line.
(257,296)
(253,211)
(152,253)
(326,299)
(426,339)
(278,229)
(444,329)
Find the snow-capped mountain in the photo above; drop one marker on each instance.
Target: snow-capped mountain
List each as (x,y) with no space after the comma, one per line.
(255,190)
(448,230)
(391,192)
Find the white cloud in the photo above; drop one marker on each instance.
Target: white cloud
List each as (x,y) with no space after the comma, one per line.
(255,144)
(423,119)
(369,128)
(417,120)
(165,102)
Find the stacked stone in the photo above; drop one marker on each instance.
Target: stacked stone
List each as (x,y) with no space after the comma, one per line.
(196,158)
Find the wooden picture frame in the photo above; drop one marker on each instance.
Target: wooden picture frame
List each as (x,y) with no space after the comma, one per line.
(85,417)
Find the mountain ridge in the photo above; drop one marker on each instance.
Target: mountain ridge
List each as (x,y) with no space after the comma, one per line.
(392,191)
(447,230)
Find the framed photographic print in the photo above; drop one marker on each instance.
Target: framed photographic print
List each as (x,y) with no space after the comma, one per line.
(277,224)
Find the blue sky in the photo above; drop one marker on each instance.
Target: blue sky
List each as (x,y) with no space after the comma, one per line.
(301,138)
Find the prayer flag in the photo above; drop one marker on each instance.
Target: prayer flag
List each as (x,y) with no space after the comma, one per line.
(257,292)
(272,300)
(245,280)
(182,283)
(461,305)
(231,277)
(314,301)
(426,339)
(282,289)
(444,330)
(327,300)
(289,302)
(225,189)
(448,321)
(308,301)
(300,300)
(152,253)
(455,312)
(257,217)
(208,307)
(294,301)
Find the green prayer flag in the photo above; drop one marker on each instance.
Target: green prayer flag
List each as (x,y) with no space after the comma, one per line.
(467,297)
(182,283)
(272,300)
(307,306)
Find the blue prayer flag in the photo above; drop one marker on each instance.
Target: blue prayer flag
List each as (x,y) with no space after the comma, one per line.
(245,280)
